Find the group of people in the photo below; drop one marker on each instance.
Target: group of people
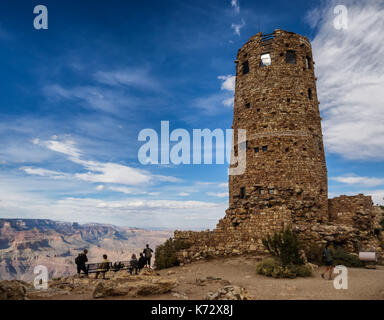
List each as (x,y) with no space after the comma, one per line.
(135,265)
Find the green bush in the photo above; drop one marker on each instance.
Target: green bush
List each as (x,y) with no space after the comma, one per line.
(272,267)
(314,253)
(267,266)
(342,257)
(286,246)
(166,254)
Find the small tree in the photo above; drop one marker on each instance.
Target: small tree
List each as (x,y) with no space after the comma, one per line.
(286,246)
(166,254)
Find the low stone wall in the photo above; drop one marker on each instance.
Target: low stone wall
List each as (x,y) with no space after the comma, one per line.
(242,229)
(352,211)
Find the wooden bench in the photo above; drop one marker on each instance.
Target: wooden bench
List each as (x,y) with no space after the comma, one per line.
(99,267)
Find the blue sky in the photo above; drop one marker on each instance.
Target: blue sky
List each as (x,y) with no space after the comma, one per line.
(74,98)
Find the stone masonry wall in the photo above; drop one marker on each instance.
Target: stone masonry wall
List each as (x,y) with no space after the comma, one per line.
(285,179)
(350,210)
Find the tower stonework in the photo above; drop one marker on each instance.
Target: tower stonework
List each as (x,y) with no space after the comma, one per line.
(276,103)
(284,183)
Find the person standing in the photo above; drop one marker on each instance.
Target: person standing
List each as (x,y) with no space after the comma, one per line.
(80,261)
(148,255)
(328,262)
(142,262)
(133,265)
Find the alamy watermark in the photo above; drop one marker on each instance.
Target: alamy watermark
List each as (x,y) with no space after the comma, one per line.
(341,20)
(41,20)
(184,150)
(41,280)
(341,280)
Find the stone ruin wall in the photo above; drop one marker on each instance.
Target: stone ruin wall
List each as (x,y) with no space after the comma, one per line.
(355,230)
(284,184)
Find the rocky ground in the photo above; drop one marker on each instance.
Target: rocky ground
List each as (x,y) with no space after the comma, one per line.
(227,278)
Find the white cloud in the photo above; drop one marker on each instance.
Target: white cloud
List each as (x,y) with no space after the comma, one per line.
(44,172)
(66,147)
(229,82)
(235,5)
(218,194)
(100,187)
(127,77)
(237,27)
(350,70)
(101,172)
(377,196)
(365,181)
(183,194)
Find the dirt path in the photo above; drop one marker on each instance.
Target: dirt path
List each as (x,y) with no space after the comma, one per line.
(363,284)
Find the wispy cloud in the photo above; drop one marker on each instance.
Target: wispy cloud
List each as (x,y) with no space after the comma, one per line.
(356,180)
(218,194)
(238,26)
(128,77)
(228,82)
(235,5)
(350,70)
(99,172)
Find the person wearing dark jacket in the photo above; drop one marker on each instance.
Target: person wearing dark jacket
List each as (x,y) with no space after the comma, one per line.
(328,259)
(148,255)
(80,261)
(142,262)
(133,264)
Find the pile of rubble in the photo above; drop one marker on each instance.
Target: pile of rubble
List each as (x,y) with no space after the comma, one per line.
(229,293)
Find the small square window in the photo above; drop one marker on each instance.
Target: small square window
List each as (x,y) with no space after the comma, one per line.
(247,105)
(256,149)
(265,148)
(271,191)
(265,60)
(290,57)
(261,191)
(245,67)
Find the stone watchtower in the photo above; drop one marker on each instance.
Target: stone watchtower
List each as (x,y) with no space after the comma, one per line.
(285,178)
(276,102)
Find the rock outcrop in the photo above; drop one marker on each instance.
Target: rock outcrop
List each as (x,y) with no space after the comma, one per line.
(13,290)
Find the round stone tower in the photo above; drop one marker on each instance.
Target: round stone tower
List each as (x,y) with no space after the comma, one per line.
(276,102)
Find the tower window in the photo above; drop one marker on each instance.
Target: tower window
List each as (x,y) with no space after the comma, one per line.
(310,96)
(290,57)
(265,148)
(265,60)
(261,191)
(247,105)
(308,62)
(256,149)
(271,191)
(242,192)
(245,67)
